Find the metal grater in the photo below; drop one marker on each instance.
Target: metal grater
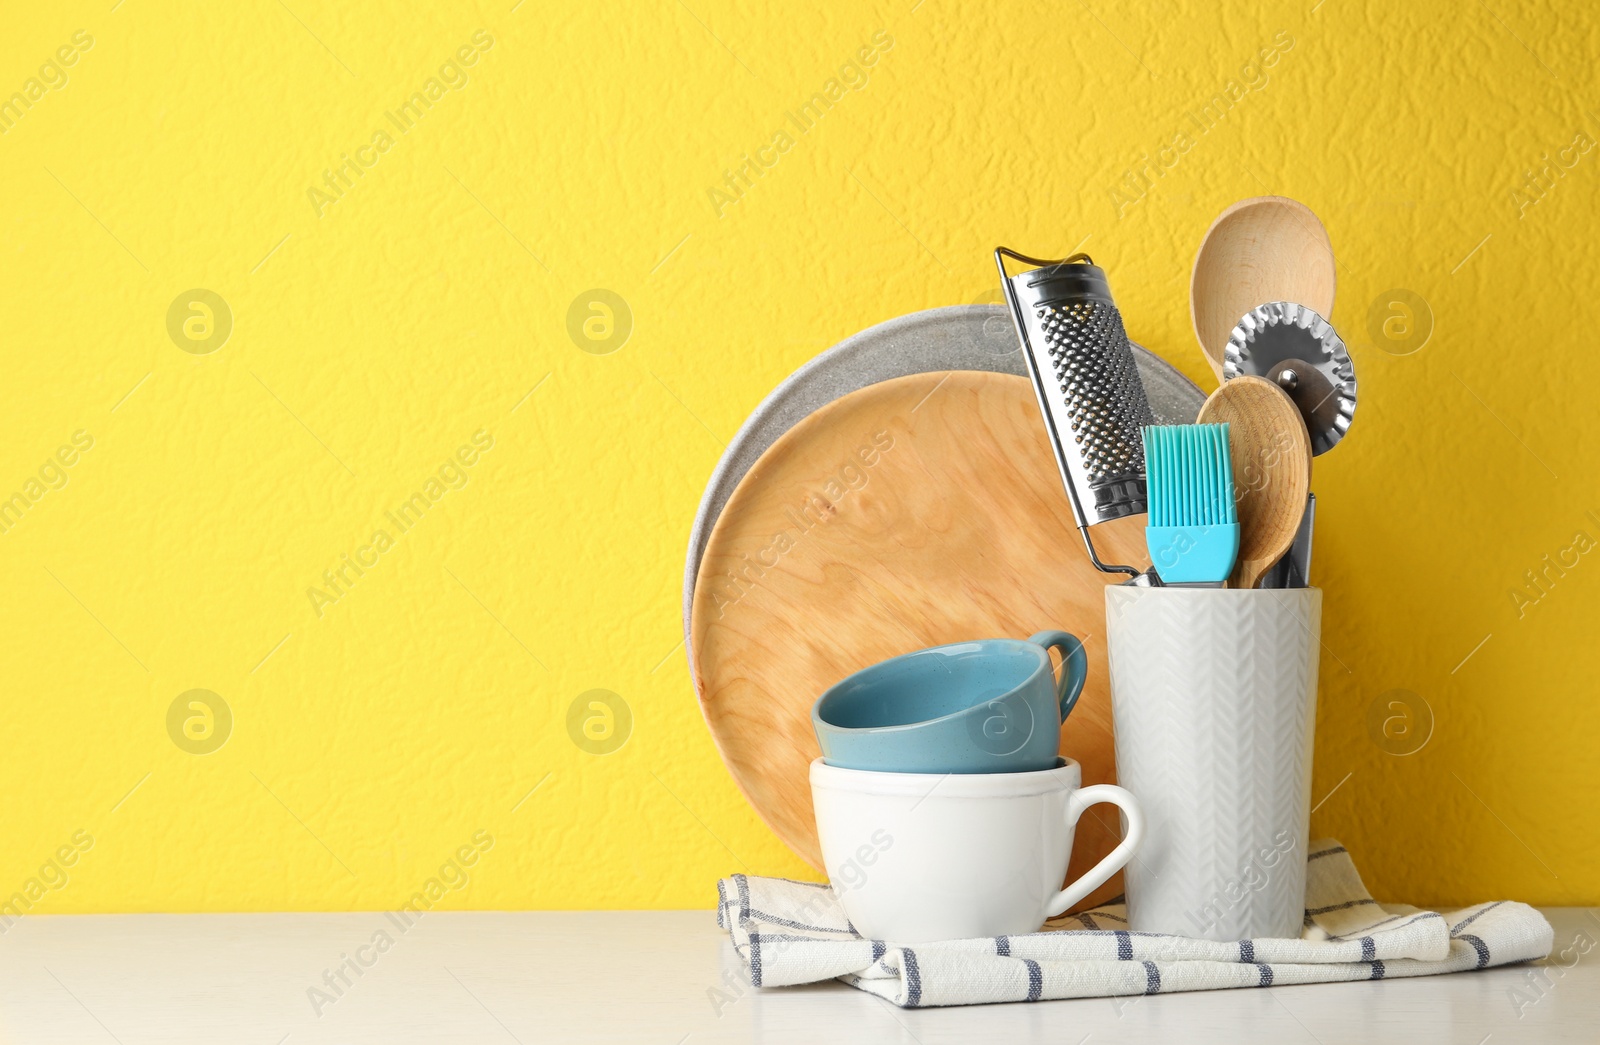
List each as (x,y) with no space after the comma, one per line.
(1088,386)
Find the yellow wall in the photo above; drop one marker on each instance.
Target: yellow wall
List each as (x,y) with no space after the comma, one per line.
(373,737)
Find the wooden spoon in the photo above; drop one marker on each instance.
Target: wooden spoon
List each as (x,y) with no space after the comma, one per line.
(1269,248)
(1271,454)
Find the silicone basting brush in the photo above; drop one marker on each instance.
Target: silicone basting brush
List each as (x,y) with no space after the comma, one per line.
(1193,530)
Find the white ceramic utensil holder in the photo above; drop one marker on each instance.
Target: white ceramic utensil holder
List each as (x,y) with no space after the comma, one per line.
(1214,700)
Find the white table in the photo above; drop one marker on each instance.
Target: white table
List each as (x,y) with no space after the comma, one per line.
(658,977)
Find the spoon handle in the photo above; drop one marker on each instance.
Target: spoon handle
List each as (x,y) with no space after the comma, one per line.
(1270,450)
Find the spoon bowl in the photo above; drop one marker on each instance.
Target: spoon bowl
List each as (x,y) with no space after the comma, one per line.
(1269,248)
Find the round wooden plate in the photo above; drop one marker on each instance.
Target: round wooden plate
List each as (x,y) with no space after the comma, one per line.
(918,511)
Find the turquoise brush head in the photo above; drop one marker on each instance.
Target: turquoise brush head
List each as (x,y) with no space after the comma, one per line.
(1193,532)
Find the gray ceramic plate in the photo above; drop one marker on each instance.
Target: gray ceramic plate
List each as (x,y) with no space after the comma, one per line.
(960,337)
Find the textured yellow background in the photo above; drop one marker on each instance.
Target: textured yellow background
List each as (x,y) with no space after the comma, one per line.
(372,339)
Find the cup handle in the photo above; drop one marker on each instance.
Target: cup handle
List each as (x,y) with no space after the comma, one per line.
(1074,667)
(1080,800)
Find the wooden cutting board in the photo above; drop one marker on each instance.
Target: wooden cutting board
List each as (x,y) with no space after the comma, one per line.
(919,511)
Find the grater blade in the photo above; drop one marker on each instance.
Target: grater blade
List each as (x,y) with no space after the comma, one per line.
(1088,386)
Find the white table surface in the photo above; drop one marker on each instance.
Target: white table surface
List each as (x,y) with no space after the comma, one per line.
(649,977)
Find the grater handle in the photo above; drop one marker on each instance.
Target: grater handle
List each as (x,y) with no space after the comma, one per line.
(1102,566)
(1000,254)
(1007,252)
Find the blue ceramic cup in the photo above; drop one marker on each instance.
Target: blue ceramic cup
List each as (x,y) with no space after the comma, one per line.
(992,706)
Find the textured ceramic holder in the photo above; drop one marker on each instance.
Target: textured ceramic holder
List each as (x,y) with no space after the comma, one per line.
(1214,697)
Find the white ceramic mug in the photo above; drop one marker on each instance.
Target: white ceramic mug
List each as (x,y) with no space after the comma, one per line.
(921,857)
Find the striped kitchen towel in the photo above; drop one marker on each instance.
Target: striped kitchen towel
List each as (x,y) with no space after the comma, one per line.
(792,932)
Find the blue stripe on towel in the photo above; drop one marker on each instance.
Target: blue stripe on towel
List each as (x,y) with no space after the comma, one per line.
(1418,917)
(1473,917)
(1035,979)
(1342,906)
(808,885)
(763,916)
(908,959)
(1152,978)
(1481,947)
(1124,947)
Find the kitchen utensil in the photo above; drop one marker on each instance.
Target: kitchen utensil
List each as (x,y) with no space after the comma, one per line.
(955,529)
(1088,386)
(1295,348)
(1294,569)
(1193,533)
(1300,551)
(991,706)
(916,858)
(1269,248)
(938,340)
(1215,693)
(1271,455)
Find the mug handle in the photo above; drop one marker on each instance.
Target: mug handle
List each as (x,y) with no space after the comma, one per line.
(1096,876)
(1074,667)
